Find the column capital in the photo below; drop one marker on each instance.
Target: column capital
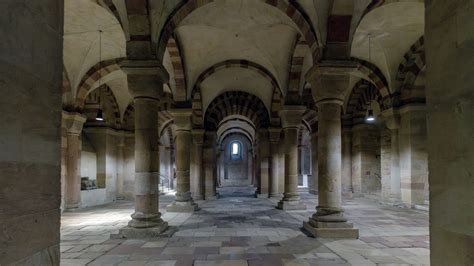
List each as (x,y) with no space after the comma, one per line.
(198,136)
(73,122)
(182,118)
(330,79)
(291,115)
(274,134)
(392,118)
(145,68)
(145,78)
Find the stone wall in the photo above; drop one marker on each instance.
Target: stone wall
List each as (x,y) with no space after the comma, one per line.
(235,171)
(366,159)
(30,140)
(449,43)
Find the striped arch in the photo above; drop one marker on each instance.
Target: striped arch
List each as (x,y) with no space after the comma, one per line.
(97,71)
(236,103)
(66,91)
(291,9)
(110,6)
(128,120)
(375,76)
(178,70)
(234,63)
(413,64)
(296,67)
(363,93)
(103,98)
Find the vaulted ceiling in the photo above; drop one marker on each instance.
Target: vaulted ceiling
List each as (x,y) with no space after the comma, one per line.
(279,38)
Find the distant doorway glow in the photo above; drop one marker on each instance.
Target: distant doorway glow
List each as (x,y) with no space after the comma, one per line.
(235,149)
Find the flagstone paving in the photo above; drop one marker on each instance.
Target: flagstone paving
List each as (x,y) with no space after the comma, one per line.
(238,229)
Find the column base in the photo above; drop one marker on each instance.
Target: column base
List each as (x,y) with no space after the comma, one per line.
(331,230)
(185,206)
(290,205)
(347,194)
(198,197)
(211,197)
(261,195)
(275,195)
(313,191)
(162,230)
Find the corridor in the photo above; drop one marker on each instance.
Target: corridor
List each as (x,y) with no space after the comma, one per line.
(238,229)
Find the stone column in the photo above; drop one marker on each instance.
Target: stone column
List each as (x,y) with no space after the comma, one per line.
(450,106)
(73,123)
(413,154)
(346,162)
(313,183)
(291,120)
(392,122)
(274,137)
(145,83)
(329,83)
(209,159)
(264,166)
(198,139)
(184,201)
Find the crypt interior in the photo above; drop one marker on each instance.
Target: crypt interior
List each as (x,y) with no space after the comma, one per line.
(237,132)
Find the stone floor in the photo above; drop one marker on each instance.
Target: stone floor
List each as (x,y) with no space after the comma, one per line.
(238,229)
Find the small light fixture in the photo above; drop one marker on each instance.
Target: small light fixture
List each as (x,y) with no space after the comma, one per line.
(370,115)
(100,116)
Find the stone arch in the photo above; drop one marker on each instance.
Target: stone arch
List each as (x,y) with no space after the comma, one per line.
(377,78)
(96,72)
(290,9)
(235,63)
(177,62)
(236,103)
(363,93)
(413,64)
(296,66)
(104,98)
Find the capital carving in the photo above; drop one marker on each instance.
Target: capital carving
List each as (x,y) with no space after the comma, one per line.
(73,122)
(291,115)
(330,79)
(145,77)
(182,119)
(274,134)
(392,118)
(198,136)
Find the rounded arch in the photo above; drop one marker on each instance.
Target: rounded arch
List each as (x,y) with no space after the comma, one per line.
(103,98)
(412,66)
(236,103)
(197,104)
(177,62)
(372,73)
(94,74)
(363,93)
(290,9)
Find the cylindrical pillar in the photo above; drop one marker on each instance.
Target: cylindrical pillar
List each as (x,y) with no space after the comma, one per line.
(329,162)
(146,164)
(313,184)
(274,150)
(291,120)
(395,189)
(183,201)
(198,138)
(346,162)
(145,83)
(73,124)
(73,178)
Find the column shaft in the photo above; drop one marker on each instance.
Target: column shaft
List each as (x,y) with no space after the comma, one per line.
(73,178)
(274,191)
(146,164)
(329,160)
(313,183)
(395,191)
